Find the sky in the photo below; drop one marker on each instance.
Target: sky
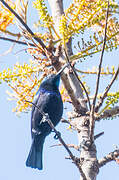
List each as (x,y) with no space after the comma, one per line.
(15,138)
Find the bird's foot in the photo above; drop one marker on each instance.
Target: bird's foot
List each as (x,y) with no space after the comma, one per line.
(45,118)
(57,136)
(36,132)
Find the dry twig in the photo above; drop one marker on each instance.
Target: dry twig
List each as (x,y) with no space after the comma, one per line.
(16,41)
(24,24)
(100,102)
(92,120)
(69,145)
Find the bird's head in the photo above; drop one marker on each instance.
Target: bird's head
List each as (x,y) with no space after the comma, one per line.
(52,81)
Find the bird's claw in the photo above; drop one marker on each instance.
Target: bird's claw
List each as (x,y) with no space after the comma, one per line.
(57,135)
(36,132)
(45,118)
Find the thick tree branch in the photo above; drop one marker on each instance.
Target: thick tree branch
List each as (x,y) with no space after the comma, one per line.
(88,160)
(74,159)
(55,60)
(70,81)
(92,120)
(78,79)
(108,158)
(24,24)
(15,41)
(100,102)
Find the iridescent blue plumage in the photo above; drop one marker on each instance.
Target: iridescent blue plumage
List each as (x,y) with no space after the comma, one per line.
(48,99)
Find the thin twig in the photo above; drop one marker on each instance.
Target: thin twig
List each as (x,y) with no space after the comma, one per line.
(100,102)
(69,145)
(74,159)
(8,51)
(36,107)
(109,113)
(92,121)
(15,41)
(78,79)
(65,121)
(94,72)
(108,158)
(98,135)
(75,146)
(24,24)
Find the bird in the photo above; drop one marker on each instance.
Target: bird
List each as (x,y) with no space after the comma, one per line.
(48,100)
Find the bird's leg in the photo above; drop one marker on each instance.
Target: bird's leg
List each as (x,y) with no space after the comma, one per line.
(47,119)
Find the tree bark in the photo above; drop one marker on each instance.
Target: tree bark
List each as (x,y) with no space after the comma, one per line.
(88,156)
(88,152)
(71,83)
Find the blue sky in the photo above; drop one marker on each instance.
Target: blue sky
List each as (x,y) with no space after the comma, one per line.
(15,139)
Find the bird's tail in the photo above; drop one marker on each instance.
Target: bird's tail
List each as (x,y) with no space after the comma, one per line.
(34,159)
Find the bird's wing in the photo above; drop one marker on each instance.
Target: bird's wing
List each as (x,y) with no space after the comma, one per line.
(50,103)
(41,101)
(36,97)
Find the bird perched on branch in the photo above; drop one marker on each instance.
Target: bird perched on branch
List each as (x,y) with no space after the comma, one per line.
(49,100)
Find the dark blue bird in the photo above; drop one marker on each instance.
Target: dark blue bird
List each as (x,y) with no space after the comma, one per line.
(49,100)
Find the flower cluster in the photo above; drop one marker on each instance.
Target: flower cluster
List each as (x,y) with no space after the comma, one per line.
(45,19)
(6,17)
(24,80)
(112,99)
(85,14)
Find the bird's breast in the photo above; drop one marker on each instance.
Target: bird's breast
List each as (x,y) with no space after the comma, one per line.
(55,108)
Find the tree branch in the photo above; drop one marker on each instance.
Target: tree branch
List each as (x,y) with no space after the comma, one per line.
(24,24)
(92,120)
(74,159)
(15,41)
(108,158)
(98,135)
(75,146)
(78,79)
(69,145)
(110,113)
(69,80)
(100,102)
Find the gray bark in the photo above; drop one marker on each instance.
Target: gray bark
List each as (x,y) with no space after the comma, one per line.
(88,156)
(70,81)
